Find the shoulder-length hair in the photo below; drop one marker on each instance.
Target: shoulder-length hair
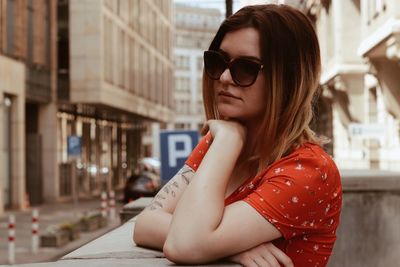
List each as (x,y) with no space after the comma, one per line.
(291,57)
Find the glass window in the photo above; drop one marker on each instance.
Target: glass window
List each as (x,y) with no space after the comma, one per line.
(145,73)
(132,63)
(136,70)
(121,58)
(126,61)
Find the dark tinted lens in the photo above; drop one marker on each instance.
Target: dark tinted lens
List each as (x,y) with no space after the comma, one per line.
(214,64)
(244,72)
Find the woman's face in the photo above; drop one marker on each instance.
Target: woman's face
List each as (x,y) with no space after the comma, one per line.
(244,104)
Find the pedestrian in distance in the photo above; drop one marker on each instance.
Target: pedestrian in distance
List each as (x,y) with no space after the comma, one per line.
(258,189)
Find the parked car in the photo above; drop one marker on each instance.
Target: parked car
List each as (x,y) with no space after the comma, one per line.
(145,183)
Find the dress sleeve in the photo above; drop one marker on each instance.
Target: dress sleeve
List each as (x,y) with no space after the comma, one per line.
(299,196)
(199,152)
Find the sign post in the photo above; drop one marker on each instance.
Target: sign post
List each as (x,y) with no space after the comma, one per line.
(74,152)
(175,146)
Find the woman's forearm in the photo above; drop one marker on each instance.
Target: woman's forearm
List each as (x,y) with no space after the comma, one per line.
(149,234)
(201,208)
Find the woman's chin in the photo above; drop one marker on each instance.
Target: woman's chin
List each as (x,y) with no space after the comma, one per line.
(228,112)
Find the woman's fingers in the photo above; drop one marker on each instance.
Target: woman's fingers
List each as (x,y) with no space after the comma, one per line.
(260,261)
(270,258)
(279,255)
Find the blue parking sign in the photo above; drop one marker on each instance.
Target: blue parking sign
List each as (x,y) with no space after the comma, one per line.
(175,146)
(74,146)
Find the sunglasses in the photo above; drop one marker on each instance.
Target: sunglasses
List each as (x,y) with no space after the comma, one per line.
(244,71)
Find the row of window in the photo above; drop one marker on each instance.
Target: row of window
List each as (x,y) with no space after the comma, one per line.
(25,33)
(197,40)
(198,20)
(183,84)
(185,106)
(182,62)
(134,67)
(144,17)
(124,7)
(187,126)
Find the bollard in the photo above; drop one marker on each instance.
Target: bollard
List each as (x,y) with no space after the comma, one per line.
(112,205)
(11,239)
(35,231)
(104,204)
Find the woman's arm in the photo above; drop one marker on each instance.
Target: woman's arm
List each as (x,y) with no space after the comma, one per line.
(152,224)
(202,228)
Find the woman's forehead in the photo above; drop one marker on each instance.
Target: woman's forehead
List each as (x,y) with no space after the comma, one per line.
(243,42)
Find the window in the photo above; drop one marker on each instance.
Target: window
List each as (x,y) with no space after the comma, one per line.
(132,65)
(121,50)
(127,62)
(374,8)
(107,50)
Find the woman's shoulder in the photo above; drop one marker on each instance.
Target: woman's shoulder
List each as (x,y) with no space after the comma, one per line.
(309,158)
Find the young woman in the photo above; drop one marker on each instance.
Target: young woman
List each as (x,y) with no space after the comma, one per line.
(258,189)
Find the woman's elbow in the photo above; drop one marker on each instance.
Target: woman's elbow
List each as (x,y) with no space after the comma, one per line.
(184,253)
(137,236)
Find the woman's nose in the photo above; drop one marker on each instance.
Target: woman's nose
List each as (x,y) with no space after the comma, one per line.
(226,77)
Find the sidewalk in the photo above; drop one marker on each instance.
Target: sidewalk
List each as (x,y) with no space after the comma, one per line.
(49,214)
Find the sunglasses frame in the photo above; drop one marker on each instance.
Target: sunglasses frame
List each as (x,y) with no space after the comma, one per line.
(228,65)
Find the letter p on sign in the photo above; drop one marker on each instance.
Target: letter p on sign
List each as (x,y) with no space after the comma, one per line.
(175,146)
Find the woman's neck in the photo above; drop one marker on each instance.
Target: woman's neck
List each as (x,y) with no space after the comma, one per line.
(251,142)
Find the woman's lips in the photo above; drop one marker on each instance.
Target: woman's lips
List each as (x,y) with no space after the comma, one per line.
(227,94)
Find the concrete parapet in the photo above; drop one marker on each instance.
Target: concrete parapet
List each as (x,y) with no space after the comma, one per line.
(368,235)
(133,208)
(117,249)
(369,231)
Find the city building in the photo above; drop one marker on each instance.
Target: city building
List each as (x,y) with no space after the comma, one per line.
(115,73)
(92,72)
(194,29)
(360,48)
(27,99)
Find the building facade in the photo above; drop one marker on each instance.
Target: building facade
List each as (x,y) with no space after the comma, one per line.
(96,70)
(360,48)
(194,29)
(116,76)
(27,92)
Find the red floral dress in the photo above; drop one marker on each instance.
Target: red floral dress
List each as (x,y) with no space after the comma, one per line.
(300,194)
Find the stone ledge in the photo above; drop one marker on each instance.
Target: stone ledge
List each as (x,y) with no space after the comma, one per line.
(370,180)
(117,249)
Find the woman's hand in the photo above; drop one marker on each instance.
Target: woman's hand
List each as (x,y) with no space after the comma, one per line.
(265,255)
(225,128)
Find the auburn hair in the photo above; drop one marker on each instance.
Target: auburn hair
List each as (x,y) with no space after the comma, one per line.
(291,57)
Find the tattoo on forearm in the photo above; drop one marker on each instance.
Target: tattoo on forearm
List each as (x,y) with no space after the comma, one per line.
(154,204)
(185,178)
(160,196)
(166,189)
(157,203)
(186,174)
